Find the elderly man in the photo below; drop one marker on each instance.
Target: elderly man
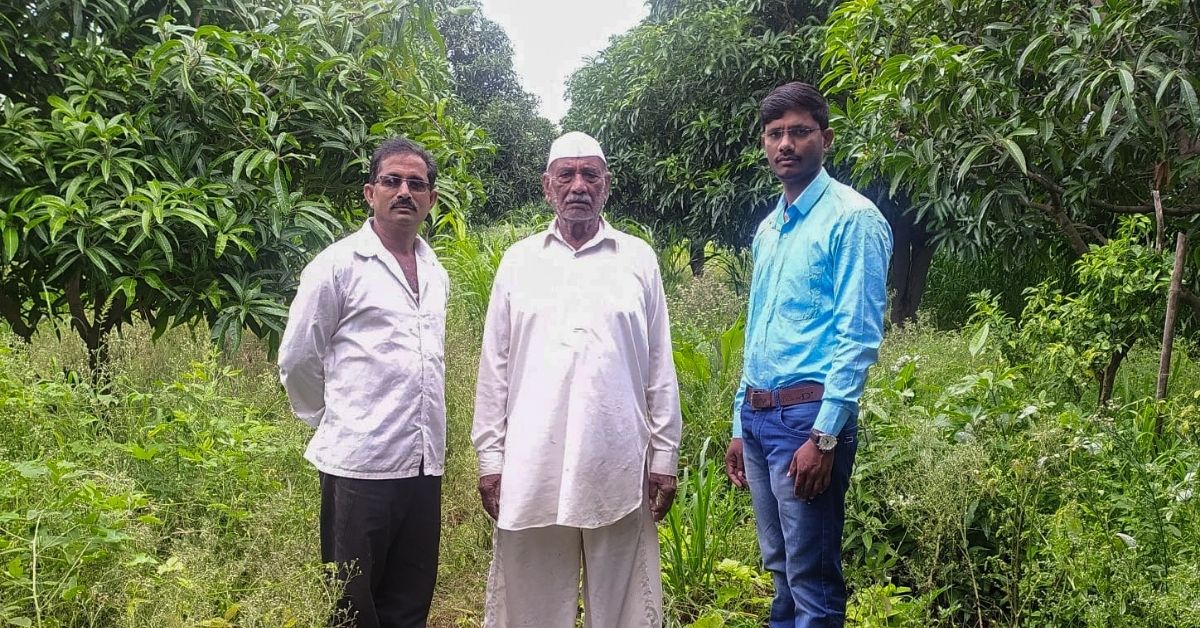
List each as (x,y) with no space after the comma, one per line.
(577,418)
(814,327)
(362,362)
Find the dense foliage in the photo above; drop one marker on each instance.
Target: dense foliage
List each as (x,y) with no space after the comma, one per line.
(1023,125)
(179,162)
(175,162)
(982,494)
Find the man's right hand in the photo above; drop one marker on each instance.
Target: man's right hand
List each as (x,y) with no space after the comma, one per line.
(489,492)
(735,464)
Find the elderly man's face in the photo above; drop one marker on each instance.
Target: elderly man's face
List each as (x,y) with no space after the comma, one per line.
(577,188)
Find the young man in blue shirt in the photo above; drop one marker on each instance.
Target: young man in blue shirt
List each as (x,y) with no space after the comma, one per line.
(814,326)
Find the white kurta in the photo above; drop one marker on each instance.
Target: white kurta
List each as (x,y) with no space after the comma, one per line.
(576,396)
(362,360)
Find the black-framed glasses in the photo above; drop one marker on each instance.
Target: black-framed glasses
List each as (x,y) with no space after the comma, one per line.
(416,186)
(796,133)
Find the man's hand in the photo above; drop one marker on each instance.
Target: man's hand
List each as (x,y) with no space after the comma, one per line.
(662,494)
(735,464)
(811,470)
(489,492)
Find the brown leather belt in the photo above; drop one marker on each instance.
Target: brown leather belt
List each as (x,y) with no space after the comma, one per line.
(762,398)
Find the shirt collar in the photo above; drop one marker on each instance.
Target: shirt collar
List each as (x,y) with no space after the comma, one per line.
(605,233)
(803,203)
(368,244)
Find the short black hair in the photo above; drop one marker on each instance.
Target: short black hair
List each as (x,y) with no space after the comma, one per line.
(792,97)
(402,146)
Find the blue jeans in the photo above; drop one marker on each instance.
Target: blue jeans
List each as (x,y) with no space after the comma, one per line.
(801,541)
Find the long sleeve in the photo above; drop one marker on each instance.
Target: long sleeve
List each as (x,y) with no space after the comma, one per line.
(492,385)
(312,320)
(860,267)
(662,386)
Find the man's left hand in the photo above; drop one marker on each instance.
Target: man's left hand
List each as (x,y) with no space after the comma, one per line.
(662,494)
(811,470)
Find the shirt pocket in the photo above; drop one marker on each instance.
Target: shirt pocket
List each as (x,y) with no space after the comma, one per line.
(801,294)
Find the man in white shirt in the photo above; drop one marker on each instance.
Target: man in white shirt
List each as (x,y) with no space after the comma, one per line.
(577,418)
(362,362)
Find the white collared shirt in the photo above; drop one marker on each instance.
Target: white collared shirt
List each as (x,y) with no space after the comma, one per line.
(362,360)
(577,396)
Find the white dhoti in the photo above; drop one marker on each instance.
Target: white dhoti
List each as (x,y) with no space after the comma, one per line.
(534,581)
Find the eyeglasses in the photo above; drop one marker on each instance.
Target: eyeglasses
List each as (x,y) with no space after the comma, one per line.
(796,133)
(566,176)
(415,186)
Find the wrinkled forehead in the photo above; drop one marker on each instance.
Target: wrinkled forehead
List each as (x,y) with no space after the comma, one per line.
(572,164)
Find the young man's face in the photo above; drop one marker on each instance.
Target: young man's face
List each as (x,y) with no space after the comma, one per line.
(795,146)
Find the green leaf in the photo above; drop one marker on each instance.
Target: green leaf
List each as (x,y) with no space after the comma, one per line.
(1016,153)
(966,164)
(1189,96)
(1029,49)
(15,569)
(979,340)
(1126,81)
(1106,116)
(1163,85)
(10,243)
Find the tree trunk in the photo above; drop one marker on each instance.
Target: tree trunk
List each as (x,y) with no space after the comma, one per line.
(696,257)
(94,329)
(1109,377)
(11,311)
(912,257)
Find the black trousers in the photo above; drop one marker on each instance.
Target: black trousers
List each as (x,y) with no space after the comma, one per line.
(383,535)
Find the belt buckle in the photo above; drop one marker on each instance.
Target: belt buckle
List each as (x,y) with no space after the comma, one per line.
(761,399)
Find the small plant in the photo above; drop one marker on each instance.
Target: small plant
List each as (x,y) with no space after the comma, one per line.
(697,571)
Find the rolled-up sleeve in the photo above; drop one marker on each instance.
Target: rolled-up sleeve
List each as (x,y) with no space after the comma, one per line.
(312,321)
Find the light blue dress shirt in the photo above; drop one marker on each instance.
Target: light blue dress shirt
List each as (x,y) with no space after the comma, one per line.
(817,298)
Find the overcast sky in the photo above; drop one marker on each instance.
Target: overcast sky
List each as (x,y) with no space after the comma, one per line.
(551,38)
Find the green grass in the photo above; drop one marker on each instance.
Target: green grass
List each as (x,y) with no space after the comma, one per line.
(179,497)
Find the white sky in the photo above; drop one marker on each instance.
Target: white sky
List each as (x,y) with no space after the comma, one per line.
(551,38)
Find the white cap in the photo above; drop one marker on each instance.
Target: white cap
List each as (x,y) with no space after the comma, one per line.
(575,144)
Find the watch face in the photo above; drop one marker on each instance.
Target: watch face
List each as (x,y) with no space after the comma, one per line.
(826,442)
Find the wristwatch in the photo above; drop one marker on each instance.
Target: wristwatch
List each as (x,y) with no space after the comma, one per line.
(824,442)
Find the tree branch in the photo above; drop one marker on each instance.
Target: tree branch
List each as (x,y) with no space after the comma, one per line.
(1060,217)
(1055,188)
(1191,299)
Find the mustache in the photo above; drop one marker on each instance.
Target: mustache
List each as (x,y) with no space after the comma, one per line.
(403,202)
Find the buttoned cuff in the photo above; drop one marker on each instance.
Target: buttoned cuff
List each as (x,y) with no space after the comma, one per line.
(490,463)
(832,417)
(664,462)
(737,423)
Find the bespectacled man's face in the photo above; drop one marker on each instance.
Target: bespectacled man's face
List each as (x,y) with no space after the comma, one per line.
(577,188)
(795,146)
(400,196)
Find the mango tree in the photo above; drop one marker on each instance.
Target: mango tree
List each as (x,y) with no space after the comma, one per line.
(181,161)
(1019,125)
